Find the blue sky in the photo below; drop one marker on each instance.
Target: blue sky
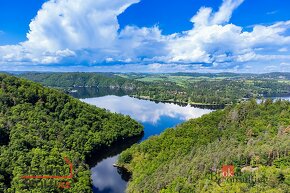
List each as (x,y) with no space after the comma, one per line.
(15,17)
(174,15)
(146,35)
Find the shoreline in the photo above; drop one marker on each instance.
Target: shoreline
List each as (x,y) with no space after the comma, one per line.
(193,104)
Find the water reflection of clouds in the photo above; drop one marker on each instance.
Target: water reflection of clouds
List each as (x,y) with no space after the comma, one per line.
(155,118)
(144,110)
(106,178)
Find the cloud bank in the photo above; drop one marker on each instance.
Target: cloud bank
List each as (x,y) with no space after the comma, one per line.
(85,34)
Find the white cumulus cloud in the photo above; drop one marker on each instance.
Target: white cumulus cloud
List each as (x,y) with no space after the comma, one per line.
(76,24)
(216,41)
(87,32)
(63,27)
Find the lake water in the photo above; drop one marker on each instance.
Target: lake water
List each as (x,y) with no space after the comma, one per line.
(287,98)
(282,98)
(155,117)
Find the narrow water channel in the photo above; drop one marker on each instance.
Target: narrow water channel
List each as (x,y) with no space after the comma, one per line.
(155,117)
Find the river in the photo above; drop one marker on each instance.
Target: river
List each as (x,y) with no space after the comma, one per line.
(155,117)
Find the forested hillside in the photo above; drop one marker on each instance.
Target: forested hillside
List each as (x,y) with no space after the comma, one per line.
(219,92)
(76,79)
(207,88)
(40,126)
(192,88)
(254,138)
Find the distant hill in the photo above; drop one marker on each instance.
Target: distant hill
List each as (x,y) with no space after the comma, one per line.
(40,126)
(272,75)
(78,79)
(254,138)
(188,88)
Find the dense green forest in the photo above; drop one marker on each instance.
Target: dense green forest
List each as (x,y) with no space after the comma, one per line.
(40,126)
(192,88)
(255,138)
(212,92)
(206,88)
(76,79)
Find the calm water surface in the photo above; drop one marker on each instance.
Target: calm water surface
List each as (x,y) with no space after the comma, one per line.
(282,98)
(155,117)
(287,98)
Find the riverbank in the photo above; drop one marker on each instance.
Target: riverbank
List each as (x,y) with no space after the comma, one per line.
(181,103)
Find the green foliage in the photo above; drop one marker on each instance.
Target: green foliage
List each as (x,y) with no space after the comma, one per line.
(126,157)
(211,91)
(192,88)
(40,126)
(184,159)
(74,79)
